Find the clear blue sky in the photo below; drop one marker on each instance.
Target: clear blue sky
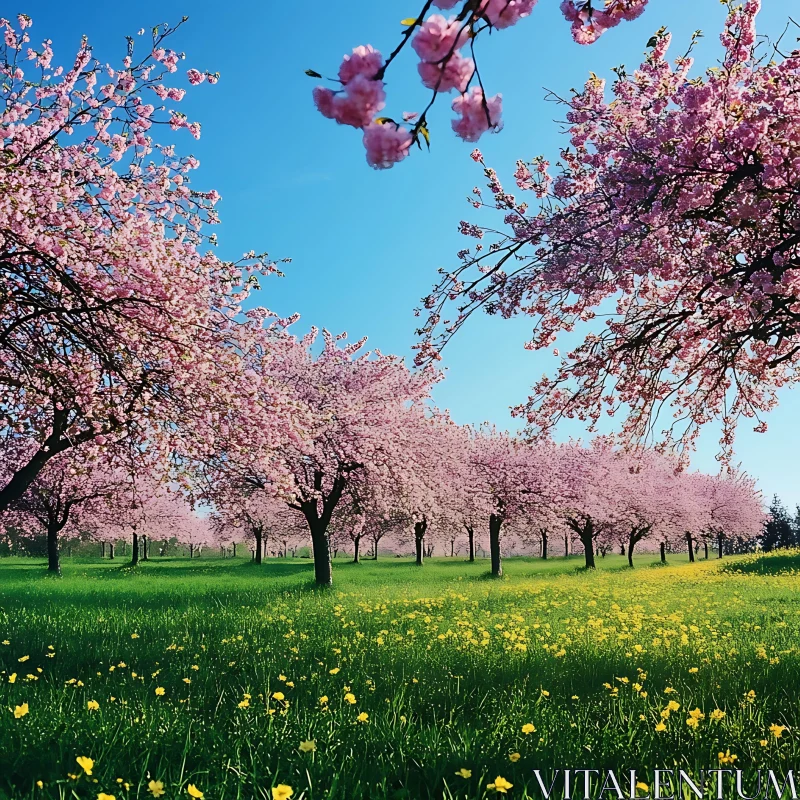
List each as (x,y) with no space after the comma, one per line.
(366,245)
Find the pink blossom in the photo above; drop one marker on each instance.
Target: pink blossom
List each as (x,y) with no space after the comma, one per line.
(356,105)
(365,60)
(386,144)
(476,117)
(437,37)
(195,76)
(505,13)
(456,74)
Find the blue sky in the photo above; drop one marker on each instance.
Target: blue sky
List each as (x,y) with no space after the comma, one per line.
(366,245)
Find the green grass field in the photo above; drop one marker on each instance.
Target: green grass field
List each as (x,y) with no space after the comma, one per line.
(410,682)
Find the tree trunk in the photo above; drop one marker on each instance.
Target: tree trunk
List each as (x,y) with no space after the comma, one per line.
(587,540)
(102,549)
(691,548)
(567,542)
(721,542)
(144,547)
(191,551)
(495,524)
(257,555)
(621,549)
(124,547)
(53,562)
(705,549)
(631,545)
(452,548)
(420,551)
(111,551)
(471,535)
(544,545)
(234,549)
(356,543)
(135,549)
(323,573)
(663,553)
(419,537)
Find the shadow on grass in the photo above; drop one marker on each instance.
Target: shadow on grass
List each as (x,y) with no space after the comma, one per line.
(767,564)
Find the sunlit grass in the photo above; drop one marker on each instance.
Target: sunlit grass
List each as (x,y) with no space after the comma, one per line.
(211,673)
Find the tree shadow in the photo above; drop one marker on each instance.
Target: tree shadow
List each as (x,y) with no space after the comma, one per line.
(767,564)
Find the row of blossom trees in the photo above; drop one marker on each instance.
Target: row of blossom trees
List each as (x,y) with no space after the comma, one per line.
(134,386)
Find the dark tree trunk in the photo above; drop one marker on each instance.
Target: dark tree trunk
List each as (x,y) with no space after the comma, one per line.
(720,546)
(705,549)
(452,548)
(567,547)
(257,553)
(691,547)
(124,547)
(323,573)
(631,545)
(544,545)
(53,562)
(663,553)
(471,535)
(586,533)
(135,549)
(356,543)
(495,524)
(419,537)
(111,551)
(102,549)
(375,549)
(234,549)
(144,547)
(621,549)
(191,551)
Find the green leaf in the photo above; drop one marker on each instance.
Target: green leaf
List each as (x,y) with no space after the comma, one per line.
(313,73)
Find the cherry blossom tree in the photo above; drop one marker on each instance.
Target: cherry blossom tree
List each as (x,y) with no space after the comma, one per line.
(672,213)
(446,48)
(352,405)
(67,496)
(115,314)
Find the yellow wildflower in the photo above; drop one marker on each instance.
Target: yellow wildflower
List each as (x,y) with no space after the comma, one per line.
(86,764)
(20,711)
(464,773)
(528,728)
(500,785)
(193,791)
(282,792)
(308,746)
(156,788)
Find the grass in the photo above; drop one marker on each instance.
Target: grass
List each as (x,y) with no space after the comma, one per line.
(447,665)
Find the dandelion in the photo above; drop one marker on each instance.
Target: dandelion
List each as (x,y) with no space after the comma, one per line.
(193,791)
(528,728)
(717,715)
(134,636)
(20,711)
(86,764)
(278,696)
(156,788)
(334,671)
(363,717)
(92,705)
(12,678)
(464,773)
(726,758)
(661,727)
(777,730)
(104,796)
(323,700)
(40,784)
(514,757)
(763,742)
(350,698)
(500,785)
(693,670)
(308,746)
(244,703)
(282,792)
(674,705)
(160,691)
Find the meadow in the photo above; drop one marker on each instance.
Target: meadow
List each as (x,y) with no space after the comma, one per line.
(221,679)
